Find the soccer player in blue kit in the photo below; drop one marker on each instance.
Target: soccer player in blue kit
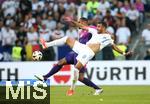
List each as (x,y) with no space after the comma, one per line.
(70,58)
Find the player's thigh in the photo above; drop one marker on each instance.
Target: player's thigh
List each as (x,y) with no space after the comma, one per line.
(78,47)
(81,76)
(79,65)
(70,42)
(85,55)
(62,61)
(70,57)
(83,70)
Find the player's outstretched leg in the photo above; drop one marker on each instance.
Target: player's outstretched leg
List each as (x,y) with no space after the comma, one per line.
(43,43)
(57,42)
(71,90)
(54,70)
(89,83)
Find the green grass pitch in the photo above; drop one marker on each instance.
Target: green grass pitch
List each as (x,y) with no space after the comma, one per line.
(111,95)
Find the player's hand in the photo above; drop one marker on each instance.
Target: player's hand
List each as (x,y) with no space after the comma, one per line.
(68,19)
(129,53)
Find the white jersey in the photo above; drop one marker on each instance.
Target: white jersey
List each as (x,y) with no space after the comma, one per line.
(103,39)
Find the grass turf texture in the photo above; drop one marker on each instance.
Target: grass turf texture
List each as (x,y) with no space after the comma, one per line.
(111,95)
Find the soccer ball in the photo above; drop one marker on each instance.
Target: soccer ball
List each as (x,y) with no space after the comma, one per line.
(37,55)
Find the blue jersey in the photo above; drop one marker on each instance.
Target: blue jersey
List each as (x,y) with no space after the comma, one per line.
(85,36)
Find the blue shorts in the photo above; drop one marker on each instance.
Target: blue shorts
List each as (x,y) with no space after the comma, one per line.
(71,59)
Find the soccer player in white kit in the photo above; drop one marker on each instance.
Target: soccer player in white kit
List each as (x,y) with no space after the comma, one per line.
(100,39)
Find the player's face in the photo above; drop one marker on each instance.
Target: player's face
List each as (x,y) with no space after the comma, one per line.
(99,27)
(83,22)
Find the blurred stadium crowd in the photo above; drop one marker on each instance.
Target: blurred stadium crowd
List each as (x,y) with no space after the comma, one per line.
(23,22)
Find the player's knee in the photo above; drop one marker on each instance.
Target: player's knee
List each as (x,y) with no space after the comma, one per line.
(70,41)
(77,67)
(61,62)
(81,78)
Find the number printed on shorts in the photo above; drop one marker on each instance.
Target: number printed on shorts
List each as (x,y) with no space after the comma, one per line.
(84,56)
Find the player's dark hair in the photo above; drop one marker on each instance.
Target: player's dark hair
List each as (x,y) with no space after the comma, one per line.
(84,19)
(103,24)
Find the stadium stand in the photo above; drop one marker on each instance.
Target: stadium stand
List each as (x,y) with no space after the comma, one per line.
(25,21)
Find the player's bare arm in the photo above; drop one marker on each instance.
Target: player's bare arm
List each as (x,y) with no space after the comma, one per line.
(120,51)
(69,19)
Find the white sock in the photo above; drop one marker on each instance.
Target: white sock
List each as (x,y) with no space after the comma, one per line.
(75,79)
(57,42)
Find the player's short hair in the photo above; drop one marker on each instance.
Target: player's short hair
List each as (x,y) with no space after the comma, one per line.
(103,24)
(84,19)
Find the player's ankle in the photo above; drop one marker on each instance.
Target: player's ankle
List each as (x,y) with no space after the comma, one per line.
(45,78)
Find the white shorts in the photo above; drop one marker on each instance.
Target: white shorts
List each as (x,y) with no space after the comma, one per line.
(84,52)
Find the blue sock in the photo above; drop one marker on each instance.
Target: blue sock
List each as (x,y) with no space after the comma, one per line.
(89,83)
(54,70)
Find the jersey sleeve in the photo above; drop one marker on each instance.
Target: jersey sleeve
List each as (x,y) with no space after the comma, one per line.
(111,40)
(92,31)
